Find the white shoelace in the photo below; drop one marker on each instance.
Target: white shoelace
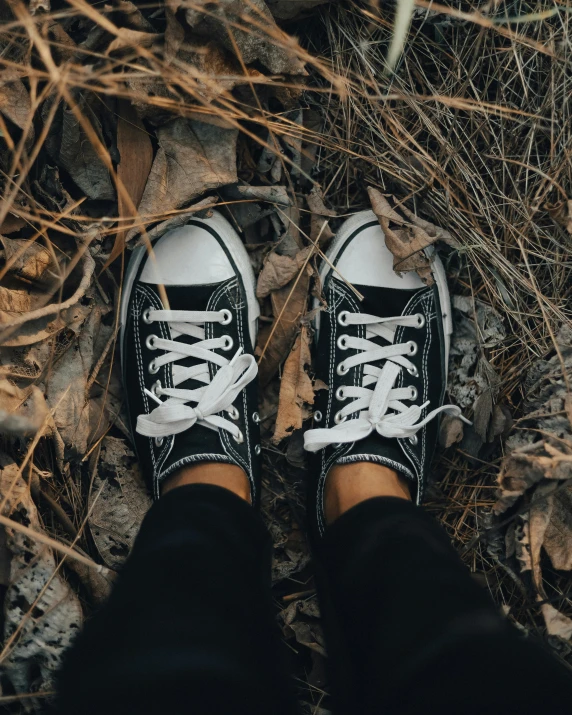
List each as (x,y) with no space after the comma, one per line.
(175,415)
(380,408)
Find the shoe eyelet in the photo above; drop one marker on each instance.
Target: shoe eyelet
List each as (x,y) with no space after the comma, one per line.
(255,417)
(159,441)
(257,449)
(413,347)
(343,342)
(339,418)
(150,342)
(414,393)
(233,413)
(153,367)
(145,316)
(414,440)
(340,396)
(228,343)
(239,438)
(317,416)
(155,387)
(342,317)
(342,369)
(413,371)
(228,317)
(420,320)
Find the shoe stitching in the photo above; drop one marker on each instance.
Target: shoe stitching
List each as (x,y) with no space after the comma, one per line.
(418,299)
(212,303)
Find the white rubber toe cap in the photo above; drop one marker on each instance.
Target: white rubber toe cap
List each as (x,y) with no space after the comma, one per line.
(365,259)
(189,255)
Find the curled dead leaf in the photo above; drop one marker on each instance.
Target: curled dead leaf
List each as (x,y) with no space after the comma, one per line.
(279,270)
(296,389)
(25,259)
(22,411)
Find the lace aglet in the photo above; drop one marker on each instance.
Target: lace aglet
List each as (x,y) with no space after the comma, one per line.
(153,396)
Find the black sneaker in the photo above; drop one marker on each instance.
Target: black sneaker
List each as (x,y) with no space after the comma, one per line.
(384,359)
(188,365)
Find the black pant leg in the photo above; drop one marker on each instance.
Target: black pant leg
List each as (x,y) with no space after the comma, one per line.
(409,630)
(190,626)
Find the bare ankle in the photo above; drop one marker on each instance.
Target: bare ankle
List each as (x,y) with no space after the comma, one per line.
(220,474)
(350,484)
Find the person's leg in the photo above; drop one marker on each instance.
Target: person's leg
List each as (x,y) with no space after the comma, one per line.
(189,627)
(408,629)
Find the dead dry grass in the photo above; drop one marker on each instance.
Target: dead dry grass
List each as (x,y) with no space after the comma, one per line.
(472,131)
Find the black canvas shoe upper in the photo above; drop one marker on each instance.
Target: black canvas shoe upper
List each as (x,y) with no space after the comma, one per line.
(384,359)
(188,367)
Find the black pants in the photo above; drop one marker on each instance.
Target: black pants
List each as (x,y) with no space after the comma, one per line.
(190,627)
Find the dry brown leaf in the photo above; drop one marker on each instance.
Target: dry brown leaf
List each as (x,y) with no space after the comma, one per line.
(450,431)
(49,617)
(279,270)
(26,259)
(135,162)
(288,307)
(296,389)
(440,234)
(22,412)
(561,213)
(272,194)
(118,501)
(319,226)
(407,243)
(66,389)
(15,103)
(193,157)
(259,40)
(557,624)
(13,300)
(132,38)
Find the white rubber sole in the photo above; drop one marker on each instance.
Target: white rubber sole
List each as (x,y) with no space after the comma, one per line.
(239,256)
(347,229)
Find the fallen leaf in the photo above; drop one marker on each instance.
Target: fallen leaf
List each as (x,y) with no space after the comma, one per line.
(14,300)
(254,33)
(407,243)
(66,387)
(278,270)
(450,431)
(135,162)
(296,389)
(26,259)
(132,38)
(118,501)
(39,602)
(22,411)
(71,149)
(15,103)
(557,624)
(193,158)
(289,306)
(273,194)
(319,226)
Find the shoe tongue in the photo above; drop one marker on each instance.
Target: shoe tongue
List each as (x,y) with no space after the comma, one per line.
(199,440)
(189,298)
(384,302)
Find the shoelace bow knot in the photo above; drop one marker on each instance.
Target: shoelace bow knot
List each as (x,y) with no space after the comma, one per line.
(373,404)
(175,415)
